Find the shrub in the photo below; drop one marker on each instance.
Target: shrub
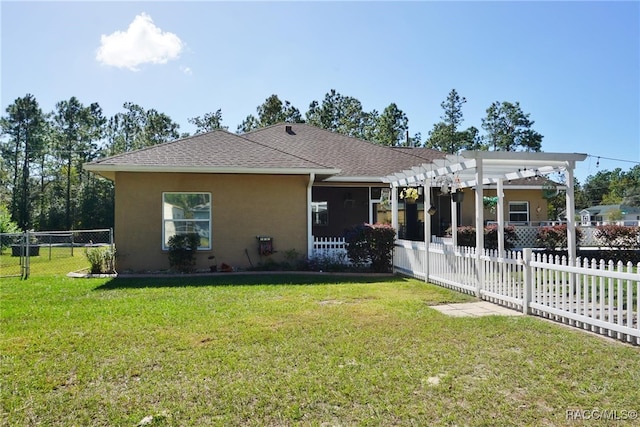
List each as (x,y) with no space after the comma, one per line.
(182,251)
(617,236)
(6,225)
(467,236)
(328,263)
(102,259)
(371,243)
(555,236)
(491,237)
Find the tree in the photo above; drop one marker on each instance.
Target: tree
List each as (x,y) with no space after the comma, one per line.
(342,114)
(632,191)
(272,111)
(446,136)
(137,128)
(208,123)
(25,126)
(508,128)
(392,126)
(77,130)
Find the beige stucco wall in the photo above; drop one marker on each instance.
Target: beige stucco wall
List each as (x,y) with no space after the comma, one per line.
(537,205)
(243,207)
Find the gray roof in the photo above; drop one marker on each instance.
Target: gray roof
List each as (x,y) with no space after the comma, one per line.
(281,148)
(354,157)
(218,148)
(605,209)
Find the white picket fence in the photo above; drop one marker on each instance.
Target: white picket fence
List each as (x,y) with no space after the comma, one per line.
(594,295)
(329,247)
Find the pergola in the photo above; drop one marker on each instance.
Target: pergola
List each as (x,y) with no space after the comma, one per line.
(469,168)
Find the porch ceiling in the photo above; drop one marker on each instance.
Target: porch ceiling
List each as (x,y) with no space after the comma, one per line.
(462,169)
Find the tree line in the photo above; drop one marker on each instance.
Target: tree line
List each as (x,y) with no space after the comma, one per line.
(44,187)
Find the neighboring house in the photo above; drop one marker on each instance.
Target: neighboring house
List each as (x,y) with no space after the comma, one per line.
(289,182)
(602,214)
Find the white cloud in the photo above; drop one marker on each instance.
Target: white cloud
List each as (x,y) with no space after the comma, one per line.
(142,43)
(186,70)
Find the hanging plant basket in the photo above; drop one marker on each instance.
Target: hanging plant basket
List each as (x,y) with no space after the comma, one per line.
(410,195)
(490,203)
(549,190)
(457,197)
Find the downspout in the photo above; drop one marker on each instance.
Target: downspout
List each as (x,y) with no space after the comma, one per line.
(312,178)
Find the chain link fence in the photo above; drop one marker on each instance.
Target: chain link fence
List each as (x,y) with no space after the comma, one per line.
(49,252)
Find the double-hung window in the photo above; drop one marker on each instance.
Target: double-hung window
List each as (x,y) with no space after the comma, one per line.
(518,211)
(184,213)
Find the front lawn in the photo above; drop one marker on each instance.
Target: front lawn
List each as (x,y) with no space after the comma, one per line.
(291,350)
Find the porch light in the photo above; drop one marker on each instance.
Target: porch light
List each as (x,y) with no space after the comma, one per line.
(431,210)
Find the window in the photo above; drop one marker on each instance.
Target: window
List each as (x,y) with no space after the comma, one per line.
(320,213)
(184,213)
(518,211)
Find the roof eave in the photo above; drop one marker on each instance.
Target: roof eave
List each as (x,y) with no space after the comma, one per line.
(355,179)
(109,170)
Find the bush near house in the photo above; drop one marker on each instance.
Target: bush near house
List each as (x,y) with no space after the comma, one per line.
(555,236)
(102,259)
(182,251)
(371,243)
(467,236)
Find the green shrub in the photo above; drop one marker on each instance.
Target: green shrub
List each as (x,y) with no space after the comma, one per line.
(6,225)
(102,259)
(182,251)
(371,243)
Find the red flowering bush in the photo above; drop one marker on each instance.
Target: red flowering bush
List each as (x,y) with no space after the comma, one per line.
(467,236)
(554,236)
(617,236)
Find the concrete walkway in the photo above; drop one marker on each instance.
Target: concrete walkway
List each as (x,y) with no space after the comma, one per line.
(475,309)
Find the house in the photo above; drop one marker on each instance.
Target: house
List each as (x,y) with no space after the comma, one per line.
(290,183)
(603,214)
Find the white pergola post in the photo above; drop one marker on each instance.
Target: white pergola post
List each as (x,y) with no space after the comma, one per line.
(394,207)
(427,226)
(571,208)
(500,218)
(479,225)
(454,222)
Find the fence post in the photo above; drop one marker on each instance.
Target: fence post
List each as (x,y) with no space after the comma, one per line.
(27,255)
(527,279)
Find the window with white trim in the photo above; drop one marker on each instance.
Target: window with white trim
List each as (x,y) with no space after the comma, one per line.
(518,211)
(184,213)
(320,213)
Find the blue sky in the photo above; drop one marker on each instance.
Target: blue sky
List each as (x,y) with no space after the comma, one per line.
(573,66)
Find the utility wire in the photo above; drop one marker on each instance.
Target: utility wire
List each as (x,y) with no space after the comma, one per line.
(615,160)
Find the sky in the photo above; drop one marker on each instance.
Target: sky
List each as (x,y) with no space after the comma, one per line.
(573,66)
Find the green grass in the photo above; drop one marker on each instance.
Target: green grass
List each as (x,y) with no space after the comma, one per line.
(290,350)
(54,260)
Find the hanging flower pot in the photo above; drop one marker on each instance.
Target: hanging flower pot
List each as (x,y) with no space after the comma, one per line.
(457,197)
(410,195)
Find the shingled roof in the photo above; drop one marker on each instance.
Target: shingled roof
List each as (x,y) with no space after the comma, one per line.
(354,157)
(277,149)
